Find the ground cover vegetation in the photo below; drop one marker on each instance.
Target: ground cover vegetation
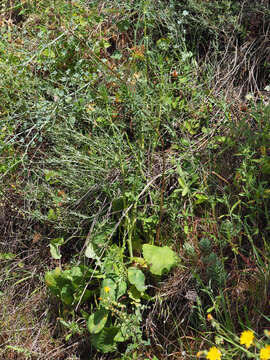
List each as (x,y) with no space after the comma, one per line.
(134,179)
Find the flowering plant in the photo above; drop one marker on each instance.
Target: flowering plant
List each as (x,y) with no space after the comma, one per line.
(247,344)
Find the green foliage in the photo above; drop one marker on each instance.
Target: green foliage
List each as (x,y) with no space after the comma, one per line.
(160,259)
(68,285)
(7,256)
(215,270)
(116,137)
(136,277)
(104,341)
(205,246)
(54,247)
(97,321)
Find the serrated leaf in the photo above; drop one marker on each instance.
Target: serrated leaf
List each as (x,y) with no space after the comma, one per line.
(136,277)
(97,321)
(160,259)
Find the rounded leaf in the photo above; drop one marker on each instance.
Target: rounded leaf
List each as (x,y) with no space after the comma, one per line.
(160,259)
(136,277)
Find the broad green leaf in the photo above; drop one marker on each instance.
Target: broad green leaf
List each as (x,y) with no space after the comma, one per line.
(54,247)
(66,295)
(86,295)
(50,280)
(160,259)
(122,288)
(97,321)
(108,289)
(104,340)
(136,277)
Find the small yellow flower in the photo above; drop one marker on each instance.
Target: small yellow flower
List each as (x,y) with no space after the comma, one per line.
(106,289)
(265,353)
(199,354)
(214,354)
(247,338)
(209,317)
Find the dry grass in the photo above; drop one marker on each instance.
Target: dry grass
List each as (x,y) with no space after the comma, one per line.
(28,324)
(170,315)
(242,68)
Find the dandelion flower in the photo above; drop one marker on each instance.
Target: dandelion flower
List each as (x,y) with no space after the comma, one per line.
(265,353)
(209,317)
(214,354)
(106,289)
(247,338)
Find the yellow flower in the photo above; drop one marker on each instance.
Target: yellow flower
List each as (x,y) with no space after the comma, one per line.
(106,289)
(265,353)
(199,354)
(214,354)
(247,338)
(209,317)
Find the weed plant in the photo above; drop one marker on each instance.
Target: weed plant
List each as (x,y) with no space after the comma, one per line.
(121,161)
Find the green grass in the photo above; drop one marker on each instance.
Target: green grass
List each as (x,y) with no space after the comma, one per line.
(125,129)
